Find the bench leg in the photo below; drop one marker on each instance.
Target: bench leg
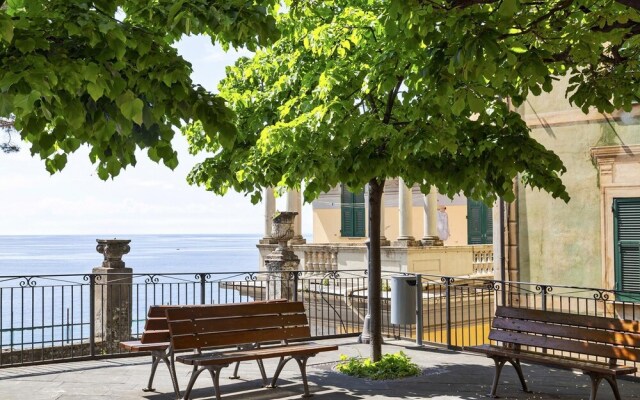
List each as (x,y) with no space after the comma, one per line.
(499,362)
(192,381)
(154,365)
(302,363)
(496,377)
(235,371)
(214,371)
(595,383)
(262,372)
(156,357)
(518,368)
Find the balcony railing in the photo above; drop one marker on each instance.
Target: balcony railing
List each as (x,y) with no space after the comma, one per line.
(49,318)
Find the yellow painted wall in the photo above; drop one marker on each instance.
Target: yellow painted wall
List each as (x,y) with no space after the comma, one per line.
(326,225)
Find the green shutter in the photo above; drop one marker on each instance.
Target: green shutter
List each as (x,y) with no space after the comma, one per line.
(359,216)
(352,213)
(626,219)
(479,223)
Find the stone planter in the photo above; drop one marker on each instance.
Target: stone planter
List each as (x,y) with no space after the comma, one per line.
(282,261)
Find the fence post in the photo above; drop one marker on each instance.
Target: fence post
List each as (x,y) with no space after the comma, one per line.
(92,315)
(296,281)
(543,291)
(203,287)
(447,282)
(419,305)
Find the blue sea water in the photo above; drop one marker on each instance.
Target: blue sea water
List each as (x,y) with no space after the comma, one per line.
(38,308)
(76,254)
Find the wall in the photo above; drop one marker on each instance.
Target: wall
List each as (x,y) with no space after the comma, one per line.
(327,217)
(562,243)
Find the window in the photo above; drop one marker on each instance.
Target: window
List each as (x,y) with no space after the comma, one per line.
(352,211)
(479,223)
(626,231)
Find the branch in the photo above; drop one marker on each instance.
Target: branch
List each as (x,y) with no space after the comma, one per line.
(393,94)
(635,4)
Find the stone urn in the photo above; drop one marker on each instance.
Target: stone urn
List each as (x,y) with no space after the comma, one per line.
(113,250)
(282,229)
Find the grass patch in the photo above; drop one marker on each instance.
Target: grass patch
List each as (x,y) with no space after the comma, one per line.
(390,366)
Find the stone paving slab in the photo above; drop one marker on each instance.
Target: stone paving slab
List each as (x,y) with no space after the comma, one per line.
(445,375)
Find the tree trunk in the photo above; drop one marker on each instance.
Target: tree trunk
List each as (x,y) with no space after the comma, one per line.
(376,189)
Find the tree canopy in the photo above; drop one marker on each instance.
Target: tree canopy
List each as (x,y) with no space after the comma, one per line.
(359,91)
(103,73)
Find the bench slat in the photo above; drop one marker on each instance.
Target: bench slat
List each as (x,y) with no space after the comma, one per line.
(155,336)
(156,324)
(186,342)
(569,319)
(554,361)
(573,332)
(223,310)
(183,327)
(574,346)
(228,357)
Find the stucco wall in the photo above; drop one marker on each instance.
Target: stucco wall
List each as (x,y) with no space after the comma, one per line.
(327,217)
(561,243)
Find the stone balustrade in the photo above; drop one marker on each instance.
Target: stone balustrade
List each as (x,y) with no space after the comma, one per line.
(476,260)
(482,261)
(320,258)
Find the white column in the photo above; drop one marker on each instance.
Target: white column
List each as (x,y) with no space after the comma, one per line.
(431,219)
(405,208)
(269,210)
(383,238)
(294,203)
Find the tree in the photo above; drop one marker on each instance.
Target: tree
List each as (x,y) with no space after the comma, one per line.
(103,73)
(360,91)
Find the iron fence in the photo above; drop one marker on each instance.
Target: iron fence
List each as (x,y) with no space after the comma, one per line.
(50,318)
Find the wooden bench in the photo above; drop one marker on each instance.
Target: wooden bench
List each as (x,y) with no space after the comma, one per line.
(156,340)
(532,336)
(253,327)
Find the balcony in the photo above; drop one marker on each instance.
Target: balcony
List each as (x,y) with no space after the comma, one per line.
(468,261)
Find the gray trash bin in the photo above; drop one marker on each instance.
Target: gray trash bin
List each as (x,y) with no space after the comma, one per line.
(403,300)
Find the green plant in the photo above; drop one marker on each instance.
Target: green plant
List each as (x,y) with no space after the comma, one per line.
(385,287)
(325,282)
(390,366)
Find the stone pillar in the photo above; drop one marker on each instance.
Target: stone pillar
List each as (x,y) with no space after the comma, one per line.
(431,237)
(383,239)
(269,210)
(294,204)
(405,222)
(282,262)
(113,298)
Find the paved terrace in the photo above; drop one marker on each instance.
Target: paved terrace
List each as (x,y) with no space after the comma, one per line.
(446,375)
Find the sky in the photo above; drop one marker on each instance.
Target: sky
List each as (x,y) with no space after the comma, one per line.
(147,198)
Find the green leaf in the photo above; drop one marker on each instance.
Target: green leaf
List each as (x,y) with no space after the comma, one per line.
(227,135)
(131,107)
(476,104)
(6,30)
(95,91)
(25,45)
(508,7)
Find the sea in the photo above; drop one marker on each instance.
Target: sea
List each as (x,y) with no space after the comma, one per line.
(76,254)
(44,293)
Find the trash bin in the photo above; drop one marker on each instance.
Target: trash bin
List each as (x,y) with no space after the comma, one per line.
(403,300)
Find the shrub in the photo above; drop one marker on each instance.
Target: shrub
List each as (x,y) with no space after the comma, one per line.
(390,366)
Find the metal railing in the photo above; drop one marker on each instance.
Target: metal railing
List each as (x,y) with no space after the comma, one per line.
(50,318)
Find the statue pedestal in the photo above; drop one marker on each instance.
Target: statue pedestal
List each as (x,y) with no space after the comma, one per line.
(282,263)
(113,297)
